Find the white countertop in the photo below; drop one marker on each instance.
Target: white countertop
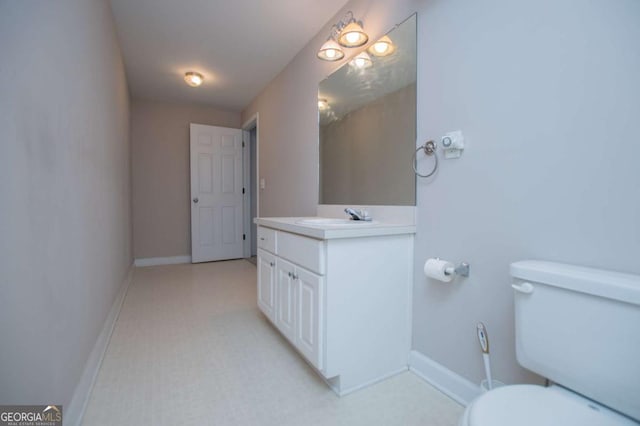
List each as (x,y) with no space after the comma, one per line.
(351,229)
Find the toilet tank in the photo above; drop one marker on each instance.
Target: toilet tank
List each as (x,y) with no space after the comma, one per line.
(580,327)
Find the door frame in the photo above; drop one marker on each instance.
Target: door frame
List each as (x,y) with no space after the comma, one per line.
(250,124)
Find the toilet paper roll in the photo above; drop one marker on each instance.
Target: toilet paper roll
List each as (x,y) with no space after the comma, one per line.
(435,268)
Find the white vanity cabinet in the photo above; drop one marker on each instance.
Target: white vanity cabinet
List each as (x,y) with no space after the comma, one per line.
(291,296)
(286,299)
(343,302)
(267,284)
(299,309)
(309,315)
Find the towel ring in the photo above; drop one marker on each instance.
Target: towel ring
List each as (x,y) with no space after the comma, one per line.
(429,149)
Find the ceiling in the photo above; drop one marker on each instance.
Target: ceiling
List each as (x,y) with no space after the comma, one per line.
(239,46)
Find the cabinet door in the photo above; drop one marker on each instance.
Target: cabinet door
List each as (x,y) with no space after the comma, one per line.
(310,316)
(267,284)
(286,299)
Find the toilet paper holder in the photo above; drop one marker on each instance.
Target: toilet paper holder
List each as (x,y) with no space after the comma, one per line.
(462,269)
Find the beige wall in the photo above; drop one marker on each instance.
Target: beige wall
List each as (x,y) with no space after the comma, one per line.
(160,157)
(547,96)
(65,225)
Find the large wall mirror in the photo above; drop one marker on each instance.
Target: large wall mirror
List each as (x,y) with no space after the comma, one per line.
(367,119)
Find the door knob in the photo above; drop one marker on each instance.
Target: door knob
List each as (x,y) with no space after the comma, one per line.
(195,200)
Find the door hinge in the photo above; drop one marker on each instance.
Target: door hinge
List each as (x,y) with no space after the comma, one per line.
(244,237)
(243,190)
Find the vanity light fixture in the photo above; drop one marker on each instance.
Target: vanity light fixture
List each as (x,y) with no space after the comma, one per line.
(193,79)
(323,104)
(353,35)
(347,33)
(361,61)
(382,47)
(330,51)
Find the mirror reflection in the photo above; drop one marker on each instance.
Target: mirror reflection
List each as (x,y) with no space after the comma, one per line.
(367,119)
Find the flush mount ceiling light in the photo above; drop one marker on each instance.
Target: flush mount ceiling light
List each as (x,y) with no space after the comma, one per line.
(382,47)
(193,79)
(323,104)
(347,33)
(361,61)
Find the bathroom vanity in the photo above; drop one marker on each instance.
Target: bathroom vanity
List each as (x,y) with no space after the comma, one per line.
(339,291)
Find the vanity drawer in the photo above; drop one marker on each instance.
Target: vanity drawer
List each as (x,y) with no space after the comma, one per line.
(304,251)
(267,239)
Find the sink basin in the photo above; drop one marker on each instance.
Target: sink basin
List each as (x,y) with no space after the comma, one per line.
(329,221)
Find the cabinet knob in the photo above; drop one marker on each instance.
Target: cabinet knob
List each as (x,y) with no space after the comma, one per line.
(272,264)
(294,276)
(290,274)
(195,200)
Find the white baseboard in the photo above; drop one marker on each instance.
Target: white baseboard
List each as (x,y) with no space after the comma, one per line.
(352,389)
(446,381)
(74,413)
(154,261)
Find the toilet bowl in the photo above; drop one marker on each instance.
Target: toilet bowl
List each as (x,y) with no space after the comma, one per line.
(531,405)
(577,327)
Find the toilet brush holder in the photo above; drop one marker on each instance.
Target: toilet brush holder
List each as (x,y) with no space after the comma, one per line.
(483,337)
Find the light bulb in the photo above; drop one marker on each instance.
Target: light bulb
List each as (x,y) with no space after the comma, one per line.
(361,61)
(352,37)
(330,51)
(381,47)
(323,104)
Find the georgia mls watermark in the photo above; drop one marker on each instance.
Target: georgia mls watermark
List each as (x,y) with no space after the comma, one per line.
(30,415)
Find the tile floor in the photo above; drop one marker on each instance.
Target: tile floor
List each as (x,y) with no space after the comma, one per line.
(191,348)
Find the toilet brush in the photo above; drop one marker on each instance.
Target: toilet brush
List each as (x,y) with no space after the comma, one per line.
(483,337)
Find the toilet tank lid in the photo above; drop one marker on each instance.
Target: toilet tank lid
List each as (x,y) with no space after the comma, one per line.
(598,282)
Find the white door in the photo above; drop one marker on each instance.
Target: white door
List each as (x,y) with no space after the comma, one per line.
(267,284)
(309,320)
(286,302)
(216,193)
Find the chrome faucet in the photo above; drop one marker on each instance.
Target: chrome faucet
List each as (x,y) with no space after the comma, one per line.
(358,214)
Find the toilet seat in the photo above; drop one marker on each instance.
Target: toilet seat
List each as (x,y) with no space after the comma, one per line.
(530,405)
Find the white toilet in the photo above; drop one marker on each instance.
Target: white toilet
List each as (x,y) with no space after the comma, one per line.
(580,328)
